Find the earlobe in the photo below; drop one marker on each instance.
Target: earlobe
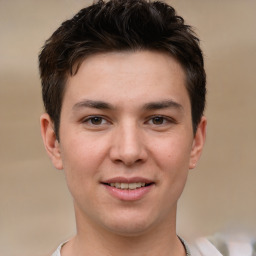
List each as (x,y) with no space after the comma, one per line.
(198,143)
(51,143)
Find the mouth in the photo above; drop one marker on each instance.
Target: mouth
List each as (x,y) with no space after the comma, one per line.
(128,189)
(128,186)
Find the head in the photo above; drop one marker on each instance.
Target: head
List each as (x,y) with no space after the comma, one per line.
(120,26)
(124,91)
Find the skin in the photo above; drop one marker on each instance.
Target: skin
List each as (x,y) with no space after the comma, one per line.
(125,114)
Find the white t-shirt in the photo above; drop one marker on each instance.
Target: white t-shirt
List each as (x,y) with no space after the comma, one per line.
(214,246)
(57,252)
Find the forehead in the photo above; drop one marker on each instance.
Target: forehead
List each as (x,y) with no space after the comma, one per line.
(130,75)
(144,61)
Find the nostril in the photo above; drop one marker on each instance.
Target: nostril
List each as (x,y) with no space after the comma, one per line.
(138,161)
(132,162)
(128,162)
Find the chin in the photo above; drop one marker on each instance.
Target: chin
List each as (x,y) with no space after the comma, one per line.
(129,231)
(129,225)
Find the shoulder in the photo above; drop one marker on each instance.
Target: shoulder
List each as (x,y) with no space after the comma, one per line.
(220,245)
(57,252)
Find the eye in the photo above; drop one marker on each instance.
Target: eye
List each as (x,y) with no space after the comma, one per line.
(160,121)
(157,120)
(95,120)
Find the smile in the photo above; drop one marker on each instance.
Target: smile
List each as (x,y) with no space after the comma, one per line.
(130,186)
(128,189)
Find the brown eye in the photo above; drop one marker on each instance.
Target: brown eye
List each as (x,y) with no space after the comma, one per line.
(158,120)
(97,120)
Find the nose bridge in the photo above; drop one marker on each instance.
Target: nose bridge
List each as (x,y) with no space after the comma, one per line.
(128,146)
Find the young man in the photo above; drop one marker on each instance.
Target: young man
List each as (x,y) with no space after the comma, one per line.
(123,85)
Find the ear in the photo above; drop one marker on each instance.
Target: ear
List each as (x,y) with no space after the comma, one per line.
(51,143)
(198,143)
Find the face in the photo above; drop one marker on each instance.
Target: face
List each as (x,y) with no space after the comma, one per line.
(126,140)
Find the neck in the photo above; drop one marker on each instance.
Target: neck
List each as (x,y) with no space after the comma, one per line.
(92,240)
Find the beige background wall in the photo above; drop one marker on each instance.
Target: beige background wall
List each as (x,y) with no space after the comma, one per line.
(35,207)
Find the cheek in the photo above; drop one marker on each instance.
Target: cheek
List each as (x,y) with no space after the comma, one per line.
(80,162)
(173,153)
(83,155)
(173,159)
(82,151)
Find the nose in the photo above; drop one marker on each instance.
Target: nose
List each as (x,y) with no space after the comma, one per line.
(127,145)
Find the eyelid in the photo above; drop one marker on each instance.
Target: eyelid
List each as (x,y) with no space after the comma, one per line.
(167,119)
(87,119)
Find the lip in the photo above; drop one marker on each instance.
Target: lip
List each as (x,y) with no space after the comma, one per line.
(128,180)
(127,194)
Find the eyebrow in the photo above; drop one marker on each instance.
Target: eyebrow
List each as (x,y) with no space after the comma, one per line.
(148,106)
(162,105)
(93,104)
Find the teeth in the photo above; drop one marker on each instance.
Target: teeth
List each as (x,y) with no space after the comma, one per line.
(132,186)
(128,185)
(124,185)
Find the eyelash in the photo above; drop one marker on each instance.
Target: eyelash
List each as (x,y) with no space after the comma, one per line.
(163,118)
(103,121)
(90,118)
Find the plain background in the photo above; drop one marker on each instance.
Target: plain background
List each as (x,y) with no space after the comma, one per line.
(36,211)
